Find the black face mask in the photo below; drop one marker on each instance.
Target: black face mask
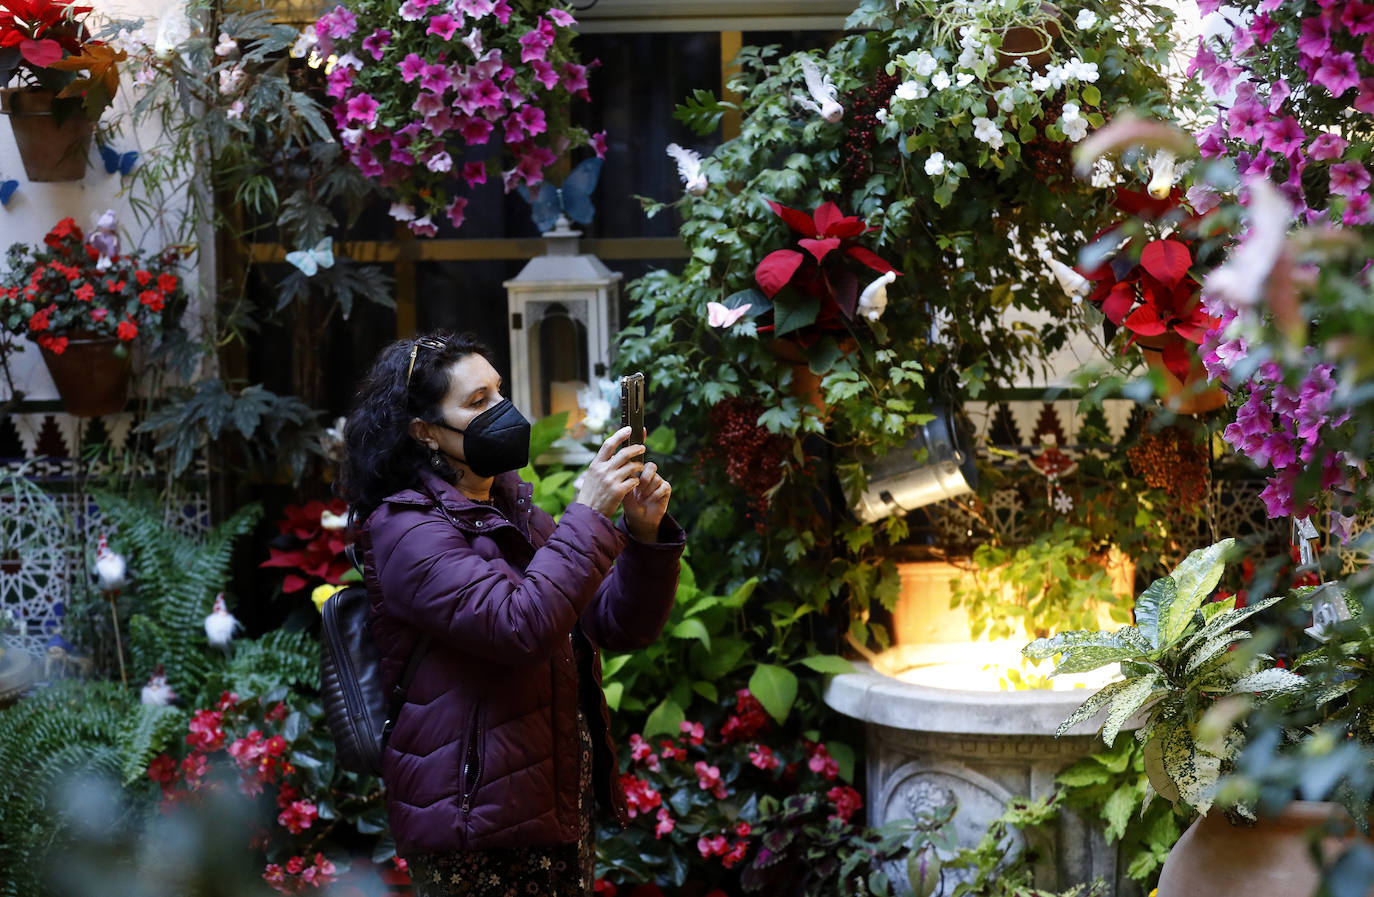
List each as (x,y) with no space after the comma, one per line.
(496,441)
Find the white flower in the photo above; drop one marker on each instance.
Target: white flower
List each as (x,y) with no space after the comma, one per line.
(131,42)
(596,409)
(1079,70)
(968,58)
(330,520)
(1074,129)
(881,115)
(986,130)
(939,80)
(231,79)
(351,136)
(1006,99)
(908,90)
(1104,174)
(145,75)
(349,61)
(935,164)
(1040,84)
(226,46)
(963,79)
(1086,19)
(1163,171)
(304,43)
(402,212)
(235,110)
(440,161)
(1071,110)
(925,64)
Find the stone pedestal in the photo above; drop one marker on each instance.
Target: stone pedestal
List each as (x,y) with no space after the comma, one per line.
(925,745)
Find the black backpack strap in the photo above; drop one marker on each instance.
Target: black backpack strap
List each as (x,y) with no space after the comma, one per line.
(398,694)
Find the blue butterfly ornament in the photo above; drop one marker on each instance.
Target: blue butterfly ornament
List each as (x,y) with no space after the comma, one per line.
(7,189)
(117,162)
(573,199)
(310,261)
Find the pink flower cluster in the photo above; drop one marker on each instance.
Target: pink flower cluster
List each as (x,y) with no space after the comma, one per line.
(720,846)
(1274,129)
(640,796)
(292,877)
(847,801)
(748,720)
(414,91)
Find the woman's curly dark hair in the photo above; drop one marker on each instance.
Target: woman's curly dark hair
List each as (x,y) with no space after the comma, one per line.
(380,455)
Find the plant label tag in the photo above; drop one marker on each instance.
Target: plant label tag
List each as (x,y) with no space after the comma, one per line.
(1328,608)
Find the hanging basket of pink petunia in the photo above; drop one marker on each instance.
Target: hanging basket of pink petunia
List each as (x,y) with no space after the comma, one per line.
(432,98)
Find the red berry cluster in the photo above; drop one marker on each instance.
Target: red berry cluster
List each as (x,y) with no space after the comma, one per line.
(862,106)
(1049,161)
(1173,461)
(751,455)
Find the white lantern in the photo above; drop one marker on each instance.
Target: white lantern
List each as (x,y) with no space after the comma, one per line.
(564,311)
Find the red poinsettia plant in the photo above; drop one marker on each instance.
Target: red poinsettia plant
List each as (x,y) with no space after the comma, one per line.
(1148,286)
(312,545)
(815,287)
(45,43)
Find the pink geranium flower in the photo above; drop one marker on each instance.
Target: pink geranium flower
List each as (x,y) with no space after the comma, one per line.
(1327,146)
(1349,178)
(362,108)
(443,25)
(1337,73)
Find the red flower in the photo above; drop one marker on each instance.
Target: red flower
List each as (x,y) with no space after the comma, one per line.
(85,292)
(194,766)
(295,865)
(226,700)
(40,321)
(665,823)
(204,732)
(737,852)
(751,718)
(98,315)
(846,801)
(763,757)
(603,888)
(713,846)
(708,779)
(298,816)
(822,763)
(143,277)
(277,713)
(54,344)
(167,283)
(163,769)
(126,330)
(151,298)
(640,797)
(695,732)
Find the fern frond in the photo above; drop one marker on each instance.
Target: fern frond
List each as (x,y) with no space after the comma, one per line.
(147,733)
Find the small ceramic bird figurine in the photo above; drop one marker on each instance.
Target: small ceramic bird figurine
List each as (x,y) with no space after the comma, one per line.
(873,300)
(110,568)
(105,239)
(823,100)
(1163,174)
(220,624)
(157,692)
(689,169)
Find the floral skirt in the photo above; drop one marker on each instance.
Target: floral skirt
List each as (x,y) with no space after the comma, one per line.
(558,870)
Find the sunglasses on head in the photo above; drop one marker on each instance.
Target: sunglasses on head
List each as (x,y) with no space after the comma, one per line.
(428,343)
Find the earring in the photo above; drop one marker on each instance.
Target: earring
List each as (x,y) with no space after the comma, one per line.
(436,461)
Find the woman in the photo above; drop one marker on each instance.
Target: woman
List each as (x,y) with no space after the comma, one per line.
(502,746)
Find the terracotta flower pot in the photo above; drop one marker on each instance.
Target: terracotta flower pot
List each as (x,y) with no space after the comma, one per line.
(1192,395)
(1268,859)
(90,378)
(1030,42)
(50,151)
(805,385)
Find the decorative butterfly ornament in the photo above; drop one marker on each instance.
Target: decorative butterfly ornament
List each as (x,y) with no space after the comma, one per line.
(573,198)
(310,261)
(117,162)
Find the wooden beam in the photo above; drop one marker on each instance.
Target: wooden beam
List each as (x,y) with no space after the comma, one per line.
(730,44)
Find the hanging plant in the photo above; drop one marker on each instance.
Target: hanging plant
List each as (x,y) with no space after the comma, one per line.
(422,90)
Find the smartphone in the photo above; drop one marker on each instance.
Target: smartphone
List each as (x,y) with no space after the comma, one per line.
(632,405)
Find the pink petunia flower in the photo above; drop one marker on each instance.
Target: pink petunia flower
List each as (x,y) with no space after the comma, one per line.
(1327,146)
(560,17)
(1284,136)
(1349,178)
(545,73)
(574,77)
(1358,18)
(436,78)
(1315,37)
(429,103)
(443,25)
(1278,93)
(423,227)
(476,8)
(456,210)
(336,24)
(502,11)
(535,43)
(1262,28)
(476,131)
(439,162)
(375,42)
(1364,99)
(1358,211)
(362,108)
(599,144)
(531,118)
(1337,73)
(1245,121)
(411,67)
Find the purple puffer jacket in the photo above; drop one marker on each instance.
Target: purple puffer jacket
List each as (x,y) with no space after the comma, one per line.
(484,752)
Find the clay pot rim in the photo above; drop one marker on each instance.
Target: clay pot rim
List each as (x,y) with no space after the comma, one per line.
(39,94)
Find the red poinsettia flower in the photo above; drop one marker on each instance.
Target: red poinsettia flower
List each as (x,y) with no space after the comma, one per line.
(817,268)
(1147,289)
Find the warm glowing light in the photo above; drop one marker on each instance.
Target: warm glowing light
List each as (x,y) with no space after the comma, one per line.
(981,666)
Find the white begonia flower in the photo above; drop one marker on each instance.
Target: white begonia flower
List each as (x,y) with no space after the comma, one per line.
(231,79)
(925,64)
(304,43)
(986,130)
(1006,99)
(935,165)
(963,79)
(235,110)
(226,46)
(940,80)
(908,90)
(1086,19)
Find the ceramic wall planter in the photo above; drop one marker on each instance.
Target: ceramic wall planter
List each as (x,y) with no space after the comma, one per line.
(50,150)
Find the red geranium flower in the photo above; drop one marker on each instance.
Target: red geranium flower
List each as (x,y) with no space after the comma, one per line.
(126,330)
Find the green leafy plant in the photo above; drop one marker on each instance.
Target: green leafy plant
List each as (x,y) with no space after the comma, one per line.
(991,874)
(1176,663)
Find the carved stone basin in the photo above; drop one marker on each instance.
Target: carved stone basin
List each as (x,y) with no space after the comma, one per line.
(932,735)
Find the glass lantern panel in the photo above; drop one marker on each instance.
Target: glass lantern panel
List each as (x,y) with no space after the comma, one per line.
(558,346)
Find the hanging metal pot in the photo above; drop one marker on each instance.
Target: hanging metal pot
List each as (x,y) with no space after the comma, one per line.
(898,482)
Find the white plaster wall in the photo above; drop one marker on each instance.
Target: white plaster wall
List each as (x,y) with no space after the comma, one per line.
(36,207)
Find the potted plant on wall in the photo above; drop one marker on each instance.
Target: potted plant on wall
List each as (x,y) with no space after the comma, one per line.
(84,304)
(62,80)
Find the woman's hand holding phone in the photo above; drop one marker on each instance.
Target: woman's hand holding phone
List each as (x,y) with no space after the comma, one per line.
(646,504)
(613,474)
